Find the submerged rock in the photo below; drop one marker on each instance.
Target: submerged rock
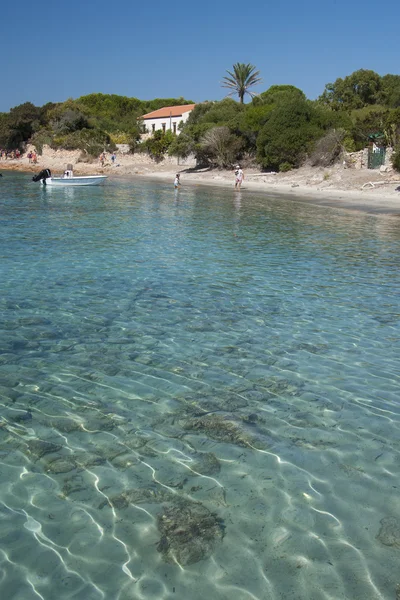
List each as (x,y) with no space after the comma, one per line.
(38,448)
(207,464)
(221,429)
(138,496)
(389,533)
(189,533)
(60,465)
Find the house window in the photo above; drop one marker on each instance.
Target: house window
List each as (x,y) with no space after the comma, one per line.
(163,127)
(174,126)
(153,128)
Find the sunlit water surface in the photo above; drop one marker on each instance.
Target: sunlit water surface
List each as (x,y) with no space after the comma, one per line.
(199,396)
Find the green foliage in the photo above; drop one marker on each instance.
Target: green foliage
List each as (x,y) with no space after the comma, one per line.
(42,138)
(243,77)
(349,144)
(220,146)
(279,125)
(158,144)
(359,89)
(120,113)
(390,91)
(188,142)
(91,141)
(277,94)
(370,120)
(223,113)
(288,134)
(396,158)
(254,117)
(19,124)
(150,105)
(69,120)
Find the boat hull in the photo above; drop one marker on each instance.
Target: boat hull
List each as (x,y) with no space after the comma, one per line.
(75,181)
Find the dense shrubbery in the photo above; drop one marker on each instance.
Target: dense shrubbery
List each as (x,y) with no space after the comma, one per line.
(278,129)
(396,158)
(220,147)
(158,144)
(91,141)
(287,135)
(108,117)
(328,148)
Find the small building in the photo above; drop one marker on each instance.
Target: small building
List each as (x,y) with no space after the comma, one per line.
(166,118)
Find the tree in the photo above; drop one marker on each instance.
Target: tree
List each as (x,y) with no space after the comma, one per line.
(221,146)
(288,134)
(357,90)
(241,79)
(276,94)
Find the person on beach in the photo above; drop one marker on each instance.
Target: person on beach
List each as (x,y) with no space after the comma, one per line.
(177,181)
(239,176)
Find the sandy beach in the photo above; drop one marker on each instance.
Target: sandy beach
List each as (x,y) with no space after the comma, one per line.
(364,190)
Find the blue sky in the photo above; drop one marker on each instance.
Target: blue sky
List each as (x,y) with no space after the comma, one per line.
(54,51)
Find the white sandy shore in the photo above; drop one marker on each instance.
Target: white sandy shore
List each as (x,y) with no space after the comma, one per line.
(334,187)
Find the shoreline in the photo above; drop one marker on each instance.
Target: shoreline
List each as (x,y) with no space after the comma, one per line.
(349,200)
(332,187)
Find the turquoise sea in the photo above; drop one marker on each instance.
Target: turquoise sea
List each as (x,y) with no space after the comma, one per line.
(199,396)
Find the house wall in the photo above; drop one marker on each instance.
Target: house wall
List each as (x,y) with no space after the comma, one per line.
(168,121)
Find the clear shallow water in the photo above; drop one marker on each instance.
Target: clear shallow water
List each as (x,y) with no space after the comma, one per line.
(199,396)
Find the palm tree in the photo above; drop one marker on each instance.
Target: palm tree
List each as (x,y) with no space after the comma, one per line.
(242,78)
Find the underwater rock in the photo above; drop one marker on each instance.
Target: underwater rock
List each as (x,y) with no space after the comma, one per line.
(138,496)
(38,448)
(63,464)
(110,451)
(124,461)
(65,425)
(22,417)
(136,441)
(98,424)
(389,533)
(221,429)
(89,459)
(189,532)
(207,464)
(73,485)
(278,386)
(312,348)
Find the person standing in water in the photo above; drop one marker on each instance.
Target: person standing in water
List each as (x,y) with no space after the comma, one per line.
(177,181)
(239,176)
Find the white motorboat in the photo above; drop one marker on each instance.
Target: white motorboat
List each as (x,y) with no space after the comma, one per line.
(68,179)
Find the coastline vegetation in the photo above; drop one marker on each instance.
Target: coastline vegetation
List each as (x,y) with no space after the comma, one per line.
(278,129)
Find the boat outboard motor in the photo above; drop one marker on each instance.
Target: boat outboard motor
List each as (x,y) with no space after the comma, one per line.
(42,176)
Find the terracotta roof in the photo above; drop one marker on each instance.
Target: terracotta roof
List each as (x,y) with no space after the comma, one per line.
(169,111)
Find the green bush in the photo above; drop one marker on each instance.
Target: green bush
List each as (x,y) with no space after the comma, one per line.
(91,141)
(288,134)
(396,158)
(220,146)
(158,144)
(40,139)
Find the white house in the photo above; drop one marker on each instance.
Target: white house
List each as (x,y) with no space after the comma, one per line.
(166,118)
